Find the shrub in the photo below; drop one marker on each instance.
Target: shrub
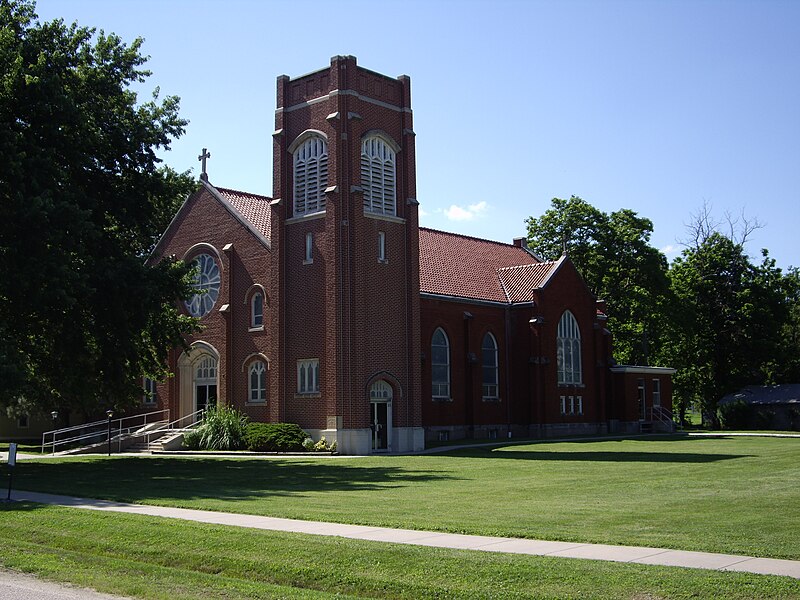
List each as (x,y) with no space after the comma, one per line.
(222,429)
(191,439)
(275,437)
(736,415)
(320,446)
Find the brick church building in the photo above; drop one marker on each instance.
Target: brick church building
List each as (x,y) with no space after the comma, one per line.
(328,305)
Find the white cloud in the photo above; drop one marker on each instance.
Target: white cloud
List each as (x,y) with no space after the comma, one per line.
(422,212)
(669,249)
(459,213)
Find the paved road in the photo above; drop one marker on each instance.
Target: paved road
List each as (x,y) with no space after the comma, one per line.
(17,586)
(632,554)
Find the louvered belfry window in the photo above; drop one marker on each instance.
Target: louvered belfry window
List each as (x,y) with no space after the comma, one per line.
(310,176)
(378,177)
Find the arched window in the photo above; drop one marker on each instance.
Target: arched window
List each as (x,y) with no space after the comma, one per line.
(257,311)
(207,369)
(489,356)
(569,350)
(258,382)
(308,376)
(378,179)
(380,390)
(310,176)
(440,364)
(206,286)
(150,391)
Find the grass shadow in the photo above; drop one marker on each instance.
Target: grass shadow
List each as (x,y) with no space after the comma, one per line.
(579,450)
(605,456)
(137,479)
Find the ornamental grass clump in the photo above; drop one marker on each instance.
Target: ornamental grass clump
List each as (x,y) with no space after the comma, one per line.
(222,429)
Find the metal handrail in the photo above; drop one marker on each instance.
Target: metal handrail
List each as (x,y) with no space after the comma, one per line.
(194,418)
(661,414)
(100,427)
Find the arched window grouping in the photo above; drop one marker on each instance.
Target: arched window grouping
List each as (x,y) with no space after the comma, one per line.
(440,364)
(568,350)
(310,176)
(257,376)
(490,366)
(378,176)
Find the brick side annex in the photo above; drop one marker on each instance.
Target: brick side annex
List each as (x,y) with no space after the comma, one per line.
(328,306)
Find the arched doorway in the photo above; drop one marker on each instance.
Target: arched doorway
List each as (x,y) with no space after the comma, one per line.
(380,398)
(199,379)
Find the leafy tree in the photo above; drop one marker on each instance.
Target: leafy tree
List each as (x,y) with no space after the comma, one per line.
(614,256)
(788,370)
(82,199)
(729,331)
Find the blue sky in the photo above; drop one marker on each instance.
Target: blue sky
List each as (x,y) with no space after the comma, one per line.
(653,106)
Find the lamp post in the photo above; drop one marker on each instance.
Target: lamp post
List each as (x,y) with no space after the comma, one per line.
(54,415)
(110,414)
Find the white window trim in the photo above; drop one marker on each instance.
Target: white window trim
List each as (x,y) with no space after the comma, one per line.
(441,386)
(207,283)
(379,175)
(262,379)
(382,248)
(150,396)
(656,392)
(253,325)
(310,175)
(308,252)
(496,384)
(568,350)
(308,385)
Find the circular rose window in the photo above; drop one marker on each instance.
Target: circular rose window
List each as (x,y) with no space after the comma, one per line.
(206,286)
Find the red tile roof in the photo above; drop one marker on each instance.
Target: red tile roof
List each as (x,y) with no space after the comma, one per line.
(466,267)
(518,282)
(254,208)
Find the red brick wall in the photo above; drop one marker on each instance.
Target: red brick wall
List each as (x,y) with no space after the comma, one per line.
(205,221)
(358,316)
(529,389)
(567,291)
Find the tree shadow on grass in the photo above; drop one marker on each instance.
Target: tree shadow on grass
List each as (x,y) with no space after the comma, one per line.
(509,452)
(580,450)
(136,479)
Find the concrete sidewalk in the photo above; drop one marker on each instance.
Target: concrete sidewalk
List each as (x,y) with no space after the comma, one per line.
(629,554)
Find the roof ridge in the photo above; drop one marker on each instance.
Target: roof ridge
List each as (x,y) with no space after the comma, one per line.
(503,285)
(224,189)
(469,237)
(547,263)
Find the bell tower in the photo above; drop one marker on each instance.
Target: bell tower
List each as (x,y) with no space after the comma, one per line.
(345,271)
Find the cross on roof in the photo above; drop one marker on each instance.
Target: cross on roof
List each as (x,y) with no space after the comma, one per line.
(202,158)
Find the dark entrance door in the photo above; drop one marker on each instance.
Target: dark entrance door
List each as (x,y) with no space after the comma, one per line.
(380,429)
(206,395)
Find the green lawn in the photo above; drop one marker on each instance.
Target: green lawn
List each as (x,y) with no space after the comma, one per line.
(153,558)
(26,448)
(732,495)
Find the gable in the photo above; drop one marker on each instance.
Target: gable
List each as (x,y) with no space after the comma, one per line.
(251,210)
